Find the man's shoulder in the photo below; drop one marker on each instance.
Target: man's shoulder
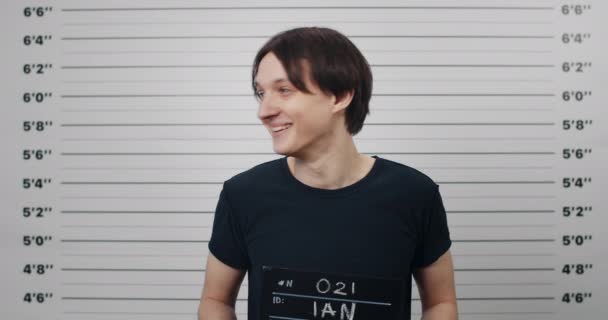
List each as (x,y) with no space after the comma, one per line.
(256,176)
(409,177)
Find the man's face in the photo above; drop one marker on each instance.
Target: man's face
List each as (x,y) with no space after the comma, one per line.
(309,117)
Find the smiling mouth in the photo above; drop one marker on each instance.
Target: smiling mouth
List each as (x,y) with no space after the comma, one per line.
(280,129)
(277,129)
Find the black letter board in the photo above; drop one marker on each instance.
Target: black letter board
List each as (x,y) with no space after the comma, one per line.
(289,293)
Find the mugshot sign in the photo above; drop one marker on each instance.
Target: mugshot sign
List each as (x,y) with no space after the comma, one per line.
(299,294)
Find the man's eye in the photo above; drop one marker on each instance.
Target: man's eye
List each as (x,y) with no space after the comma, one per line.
(284,90)
(259,93)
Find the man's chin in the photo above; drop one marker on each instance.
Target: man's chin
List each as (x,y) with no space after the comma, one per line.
(282,151)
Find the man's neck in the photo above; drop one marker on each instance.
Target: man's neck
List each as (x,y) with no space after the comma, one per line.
(331,171)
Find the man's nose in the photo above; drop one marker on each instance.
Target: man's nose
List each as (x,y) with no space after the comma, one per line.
(267,106)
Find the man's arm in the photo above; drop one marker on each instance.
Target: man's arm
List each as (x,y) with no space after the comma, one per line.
(437,289)
(222,284)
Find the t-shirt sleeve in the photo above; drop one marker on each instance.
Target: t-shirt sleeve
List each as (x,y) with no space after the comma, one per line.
(227,239)
(435,235)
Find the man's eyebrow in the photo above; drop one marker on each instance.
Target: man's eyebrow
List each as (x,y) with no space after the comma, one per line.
(274,81)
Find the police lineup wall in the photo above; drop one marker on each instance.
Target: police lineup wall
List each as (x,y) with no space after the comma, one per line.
(121,120)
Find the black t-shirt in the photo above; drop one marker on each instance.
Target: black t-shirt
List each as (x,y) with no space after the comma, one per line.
(386,224)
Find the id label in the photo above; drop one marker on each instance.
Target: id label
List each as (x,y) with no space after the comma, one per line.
(298,294)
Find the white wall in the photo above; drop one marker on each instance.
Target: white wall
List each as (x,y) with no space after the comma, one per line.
(142,136)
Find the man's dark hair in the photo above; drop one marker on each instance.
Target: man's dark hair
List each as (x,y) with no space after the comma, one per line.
(336,67)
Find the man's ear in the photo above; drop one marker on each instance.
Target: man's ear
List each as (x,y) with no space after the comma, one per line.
(342,101)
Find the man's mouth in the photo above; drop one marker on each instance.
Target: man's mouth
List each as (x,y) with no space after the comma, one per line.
(276,130)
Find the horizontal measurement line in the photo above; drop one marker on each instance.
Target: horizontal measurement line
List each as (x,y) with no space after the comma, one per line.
(133,241)
(464,94)
(506,284)
(245,168)
(497,182)
(133,255)
(136,182)
(211,212)
(392,109)
(138,226)
(504,298)
(129,284)
(133,212)
(203,227)
(502,196)
(130,255)
(506,255)
(259,125)
(199,270)
(131,269)
(212,182)
(156,197)
(501,211)
(505,240)
(158,153)
(157,95)
(504,269)
(445,36)
(157,168)
(273,22)
(191,314)
(252,52)
(203,241)
(372,49)
(251,95)
(244,299)
(358,21)
(314,8)
(359,139)
(269,153)
(466,65)
(232,81)
(244,284)
(506,313)
(504,226)
(239,314)
(389,80)
(130,299)
(372,65)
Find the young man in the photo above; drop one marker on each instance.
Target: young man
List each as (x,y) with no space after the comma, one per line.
(325,232)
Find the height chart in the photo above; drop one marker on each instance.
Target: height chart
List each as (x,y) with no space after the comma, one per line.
(121,119)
